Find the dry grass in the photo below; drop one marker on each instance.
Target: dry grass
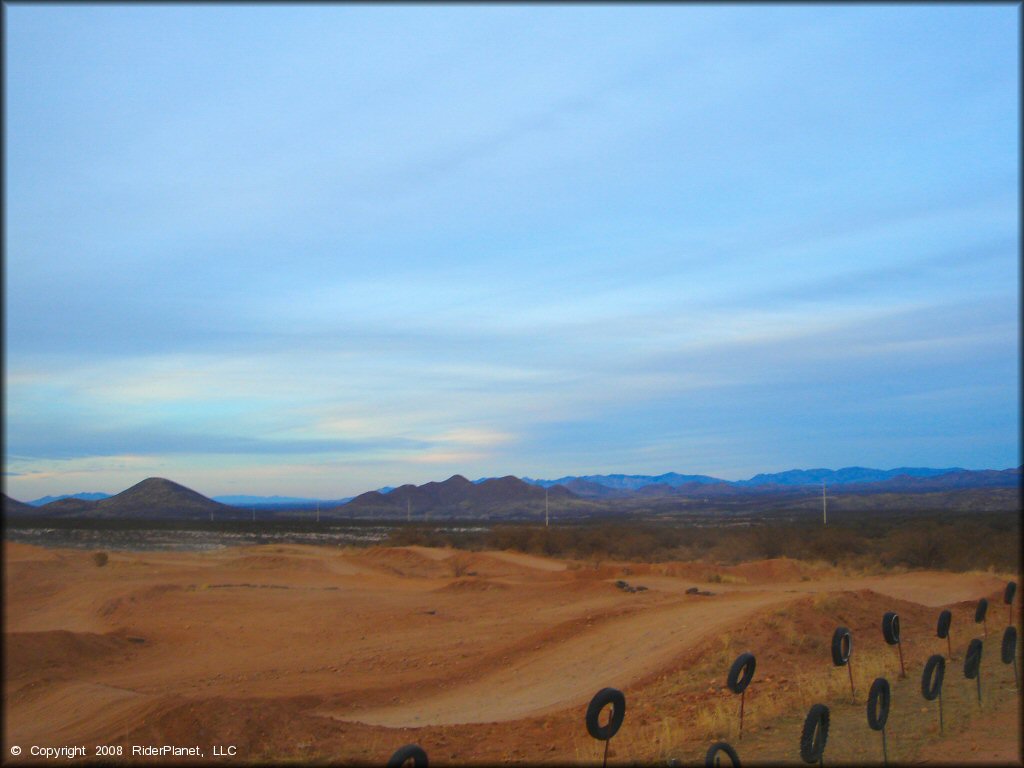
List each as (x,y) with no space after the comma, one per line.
(684,712)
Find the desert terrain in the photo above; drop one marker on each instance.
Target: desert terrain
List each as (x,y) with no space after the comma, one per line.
(341,655)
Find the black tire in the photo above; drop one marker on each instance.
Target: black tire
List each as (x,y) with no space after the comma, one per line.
(942,630)
(931,678)
(745,663)
(602,698)
(814,734)
(720,746)
(972,659)
(412,752)
(1011,590)
(981,610)
(891,627)
(879,699)
(842,646)
(1009,644)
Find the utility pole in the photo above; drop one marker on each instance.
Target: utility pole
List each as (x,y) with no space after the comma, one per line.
(318,511)
(545,507)
(254,514)
(824,505)
(408,510)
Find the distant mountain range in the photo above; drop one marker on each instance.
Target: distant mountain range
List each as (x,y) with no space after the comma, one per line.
(82,496)
(234,501)
(152,498)
(510,496)
(629,482)
(789,477)
(458,496)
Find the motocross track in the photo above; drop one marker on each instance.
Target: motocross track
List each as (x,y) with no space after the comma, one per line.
(342,655)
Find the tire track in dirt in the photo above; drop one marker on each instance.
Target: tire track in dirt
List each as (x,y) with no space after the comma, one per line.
(87,710)
(615,653)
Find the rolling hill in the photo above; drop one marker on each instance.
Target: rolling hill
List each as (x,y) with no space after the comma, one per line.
(511,497)
(153,498)
(458,496)
(15,507)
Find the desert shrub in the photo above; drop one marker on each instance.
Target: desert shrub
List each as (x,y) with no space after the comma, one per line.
(834,544)
(100,559)
(459,565)
(917,549)
(769,540)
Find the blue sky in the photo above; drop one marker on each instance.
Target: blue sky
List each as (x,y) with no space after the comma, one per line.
(318,249)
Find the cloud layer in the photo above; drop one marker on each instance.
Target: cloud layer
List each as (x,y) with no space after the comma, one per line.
(314,250)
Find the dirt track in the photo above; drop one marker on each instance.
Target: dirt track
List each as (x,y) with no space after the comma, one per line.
(368,640)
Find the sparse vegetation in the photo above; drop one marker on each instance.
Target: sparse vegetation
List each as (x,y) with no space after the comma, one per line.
(459,565)
(974,541)
(100,559)
(858,542)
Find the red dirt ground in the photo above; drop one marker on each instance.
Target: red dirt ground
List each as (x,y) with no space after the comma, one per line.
(342,655)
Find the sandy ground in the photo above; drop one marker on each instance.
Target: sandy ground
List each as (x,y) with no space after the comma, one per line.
(342,655)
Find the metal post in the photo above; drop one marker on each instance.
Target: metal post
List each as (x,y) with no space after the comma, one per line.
(899,647)
(940,711)
(849,668)
(885,752)
(949,647)
(743,696)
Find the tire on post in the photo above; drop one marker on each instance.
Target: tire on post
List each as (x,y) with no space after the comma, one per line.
(1011,590)
(972,659)
(879,699)
(814,735)
(942,629)
(891,627)
(720,746)
(412,752)
(601,699)
(981,610)
(1009,650)
(745,663)
(931,678)
(842,646)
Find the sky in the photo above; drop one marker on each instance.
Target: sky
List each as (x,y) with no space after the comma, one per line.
(313,250)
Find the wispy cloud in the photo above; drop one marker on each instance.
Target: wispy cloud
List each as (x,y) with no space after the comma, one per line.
(354,246)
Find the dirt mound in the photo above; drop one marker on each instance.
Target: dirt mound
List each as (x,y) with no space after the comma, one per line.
(774,570)
(140,598)
(691,571)
(532,562)
(265,562)
(404,562)
(473,584)
(15,552)
(59,649)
